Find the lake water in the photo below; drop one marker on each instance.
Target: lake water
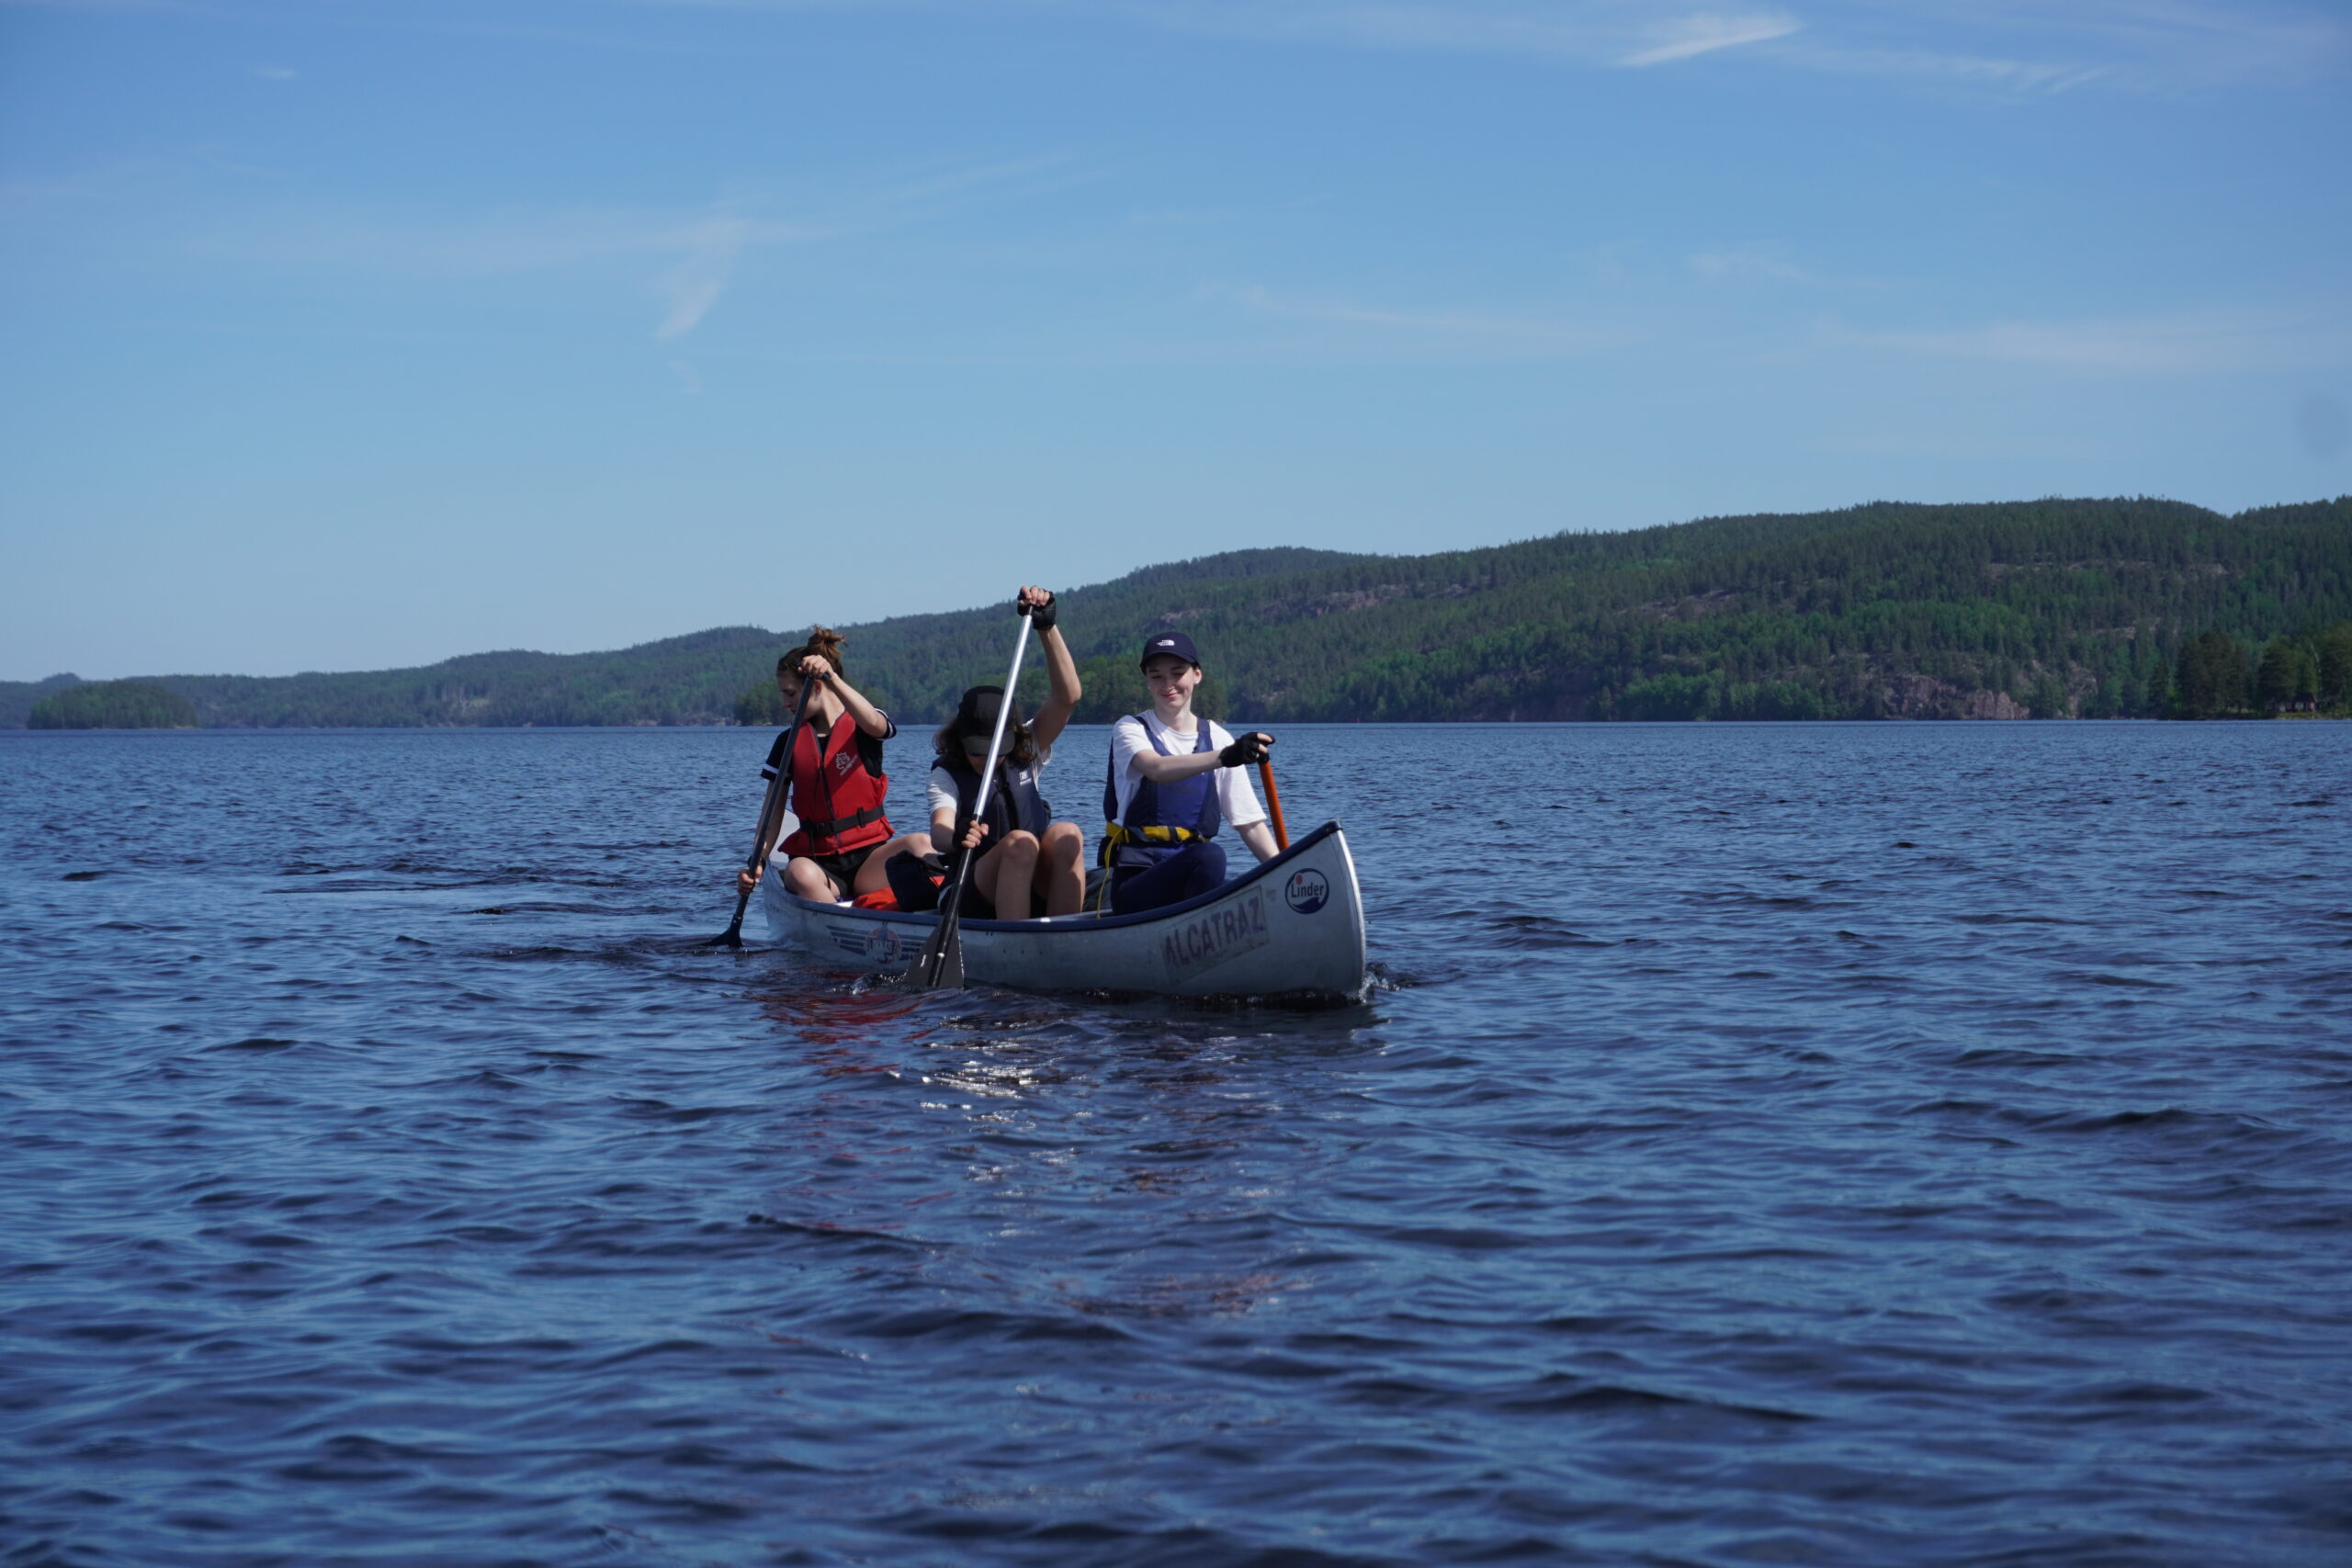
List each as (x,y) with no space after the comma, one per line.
(1867,1144)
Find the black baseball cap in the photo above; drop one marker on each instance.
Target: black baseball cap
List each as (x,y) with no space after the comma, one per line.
(976,714)
(1175,644)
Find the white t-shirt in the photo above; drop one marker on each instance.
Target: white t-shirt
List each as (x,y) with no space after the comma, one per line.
(943,796)
(1235,798)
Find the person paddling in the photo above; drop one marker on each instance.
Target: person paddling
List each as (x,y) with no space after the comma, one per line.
(1174,779)
(1027,858)
(837,783)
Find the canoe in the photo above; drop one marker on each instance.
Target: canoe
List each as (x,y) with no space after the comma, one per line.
(1288,929)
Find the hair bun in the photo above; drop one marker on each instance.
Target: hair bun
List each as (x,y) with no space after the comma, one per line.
(823,641)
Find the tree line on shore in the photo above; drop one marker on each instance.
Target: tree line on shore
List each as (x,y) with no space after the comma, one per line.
(2219,677)
(2117,608)
(113,705)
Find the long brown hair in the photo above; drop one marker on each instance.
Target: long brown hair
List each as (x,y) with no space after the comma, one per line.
(824,642)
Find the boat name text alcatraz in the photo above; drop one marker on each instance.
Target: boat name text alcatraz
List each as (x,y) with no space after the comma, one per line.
(1216,936)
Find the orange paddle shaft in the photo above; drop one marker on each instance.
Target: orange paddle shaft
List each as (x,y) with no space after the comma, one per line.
(1274,804)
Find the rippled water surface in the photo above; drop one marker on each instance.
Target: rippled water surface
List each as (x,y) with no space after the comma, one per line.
(1800,1144)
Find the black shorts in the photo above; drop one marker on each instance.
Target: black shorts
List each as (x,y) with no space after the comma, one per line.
(842,867)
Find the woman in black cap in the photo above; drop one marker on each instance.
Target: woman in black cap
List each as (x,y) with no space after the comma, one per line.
(1175,777)
(1028,858)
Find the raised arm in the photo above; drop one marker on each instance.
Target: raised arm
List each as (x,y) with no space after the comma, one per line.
(867,717)
(1061,669)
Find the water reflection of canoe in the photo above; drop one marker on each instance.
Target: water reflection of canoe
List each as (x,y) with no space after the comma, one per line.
(1290,929)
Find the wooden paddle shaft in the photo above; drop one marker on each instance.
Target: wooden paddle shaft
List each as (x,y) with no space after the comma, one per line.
(1273,802)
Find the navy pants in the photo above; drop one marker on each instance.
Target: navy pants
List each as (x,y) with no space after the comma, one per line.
(1197,868)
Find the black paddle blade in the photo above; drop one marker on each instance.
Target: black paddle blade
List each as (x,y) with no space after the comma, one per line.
(733,935)
(941,962)
(940,966)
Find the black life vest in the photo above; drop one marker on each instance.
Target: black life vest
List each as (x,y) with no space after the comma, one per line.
(1015,803)
(837,802)
(1161,819)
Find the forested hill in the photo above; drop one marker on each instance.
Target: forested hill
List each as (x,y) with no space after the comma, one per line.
(2051,607)
(2056,607)
(682,680)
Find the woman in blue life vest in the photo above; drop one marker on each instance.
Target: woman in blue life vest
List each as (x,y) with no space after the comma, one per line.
(1026,859)
(1175,779)
(837,783)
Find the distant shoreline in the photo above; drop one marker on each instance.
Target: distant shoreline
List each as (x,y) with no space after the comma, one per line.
(2128,608)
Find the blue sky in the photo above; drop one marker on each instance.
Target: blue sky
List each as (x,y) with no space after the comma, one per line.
(347,335)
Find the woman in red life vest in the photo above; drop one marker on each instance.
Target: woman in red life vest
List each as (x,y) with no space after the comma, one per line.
(837,782)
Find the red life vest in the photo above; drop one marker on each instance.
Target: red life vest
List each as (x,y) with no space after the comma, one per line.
(837,802)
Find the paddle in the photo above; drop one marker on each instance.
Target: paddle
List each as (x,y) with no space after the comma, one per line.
(1273,801)
(770,811)
(941,962)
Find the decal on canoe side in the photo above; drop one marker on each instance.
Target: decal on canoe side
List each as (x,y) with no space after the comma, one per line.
(1209,940)
(1308,890)
(877,940)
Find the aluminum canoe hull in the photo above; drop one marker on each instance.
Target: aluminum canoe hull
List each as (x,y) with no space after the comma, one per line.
(1289,929)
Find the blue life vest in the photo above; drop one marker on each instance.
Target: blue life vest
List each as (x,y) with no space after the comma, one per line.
(1161,819)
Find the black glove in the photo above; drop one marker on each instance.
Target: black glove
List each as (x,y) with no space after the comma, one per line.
(1041,617)
(1244,753)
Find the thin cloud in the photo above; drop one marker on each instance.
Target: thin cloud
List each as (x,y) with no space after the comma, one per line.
(1999,45)
(2056,45)
(1703,34)
(1965,70)
(2003,45)
(1766,264)
(2183,344)
(1452,334)
(498,245)
(1591,32)
(276,73)
(700,252)
(1217,216)
(689,289)
(1750,262)
(686,261)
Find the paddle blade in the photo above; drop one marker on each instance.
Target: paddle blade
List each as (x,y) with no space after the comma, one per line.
(940,966)
(733,935)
